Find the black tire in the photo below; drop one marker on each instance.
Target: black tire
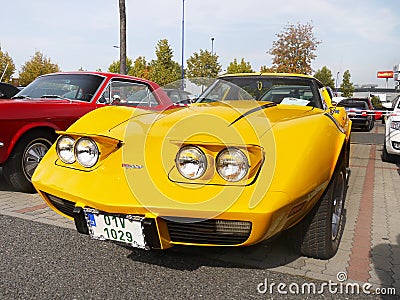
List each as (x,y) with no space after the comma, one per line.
(24,158)
(318,235)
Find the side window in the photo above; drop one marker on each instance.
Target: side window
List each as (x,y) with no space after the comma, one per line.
(129,93)
(174,97)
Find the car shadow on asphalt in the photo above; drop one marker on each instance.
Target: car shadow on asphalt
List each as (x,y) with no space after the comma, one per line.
(270,254)
(387,270)
(265,255)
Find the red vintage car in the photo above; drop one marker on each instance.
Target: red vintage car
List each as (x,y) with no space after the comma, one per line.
(53,102)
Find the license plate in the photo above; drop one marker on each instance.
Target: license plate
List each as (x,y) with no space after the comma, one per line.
(126,229)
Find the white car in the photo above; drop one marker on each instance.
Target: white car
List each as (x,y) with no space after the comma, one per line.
(391,148)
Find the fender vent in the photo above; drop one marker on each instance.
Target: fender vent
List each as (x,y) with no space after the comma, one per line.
(64,206)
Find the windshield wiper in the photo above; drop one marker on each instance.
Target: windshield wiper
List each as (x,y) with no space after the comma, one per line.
(205,100)
(21,97)
(54,97)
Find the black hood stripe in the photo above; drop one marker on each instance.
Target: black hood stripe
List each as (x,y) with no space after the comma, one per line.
(253,110)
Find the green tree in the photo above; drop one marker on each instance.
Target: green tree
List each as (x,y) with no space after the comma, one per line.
(116,68)
(325,76)
(347,87)
(36,66)
(294,50)
(202,65)
(140,68)
(164,70)
(242,67)
(265,69)
(376,102)
(7,67)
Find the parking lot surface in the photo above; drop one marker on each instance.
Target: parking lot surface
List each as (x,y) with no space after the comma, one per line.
(370,248)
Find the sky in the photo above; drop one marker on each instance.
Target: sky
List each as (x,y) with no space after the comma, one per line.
(362,36)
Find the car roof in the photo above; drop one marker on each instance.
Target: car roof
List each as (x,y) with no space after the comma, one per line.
(104,74)
(271,75)
(267,75)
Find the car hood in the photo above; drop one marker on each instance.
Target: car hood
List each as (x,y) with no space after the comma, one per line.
(32,108)
(217,122)
(32,101)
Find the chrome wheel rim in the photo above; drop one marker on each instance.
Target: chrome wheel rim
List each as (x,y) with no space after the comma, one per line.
(32,157)
(338,201)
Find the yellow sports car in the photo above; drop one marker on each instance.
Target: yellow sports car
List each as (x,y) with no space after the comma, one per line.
(256,155)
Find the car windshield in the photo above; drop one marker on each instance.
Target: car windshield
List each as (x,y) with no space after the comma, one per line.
(63,86)
(280,90)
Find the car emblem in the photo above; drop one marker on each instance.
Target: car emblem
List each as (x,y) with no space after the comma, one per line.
(129,166)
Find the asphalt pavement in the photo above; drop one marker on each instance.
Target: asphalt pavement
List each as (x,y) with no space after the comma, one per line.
(40,261)
(42,255)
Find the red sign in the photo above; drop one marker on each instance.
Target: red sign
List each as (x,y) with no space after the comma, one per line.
(385,74)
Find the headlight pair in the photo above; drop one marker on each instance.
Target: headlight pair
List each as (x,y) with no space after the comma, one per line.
(84,150)
(231,163)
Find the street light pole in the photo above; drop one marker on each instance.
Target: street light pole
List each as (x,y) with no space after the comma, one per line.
(212,46)
(183,41)
(122,37)
(337,79)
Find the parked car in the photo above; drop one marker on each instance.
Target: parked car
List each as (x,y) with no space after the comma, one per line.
(53,102)
(358,112)
(372,110)
(391,147)
(7,90)
(255,156)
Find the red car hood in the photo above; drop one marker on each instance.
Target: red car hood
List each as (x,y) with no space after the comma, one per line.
(42,108)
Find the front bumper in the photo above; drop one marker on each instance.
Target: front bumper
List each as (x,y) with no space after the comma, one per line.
(358,122)
(164,231)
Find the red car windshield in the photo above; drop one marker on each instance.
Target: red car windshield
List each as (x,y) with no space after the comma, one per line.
(80,87)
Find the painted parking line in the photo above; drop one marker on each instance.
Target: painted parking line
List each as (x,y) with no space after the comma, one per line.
(31,208)
(359,263)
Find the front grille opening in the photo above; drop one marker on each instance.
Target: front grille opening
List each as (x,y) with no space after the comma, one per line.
(213,231)
(64,206)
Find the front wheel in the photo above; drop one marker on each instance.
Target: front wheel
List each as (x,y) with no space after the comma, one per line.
(318,235)
(24,159)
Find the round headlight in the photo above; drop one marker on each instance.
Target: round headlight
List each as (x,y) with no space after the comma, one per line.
(191,162)
(86,152)
(65,149)
(232,164)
